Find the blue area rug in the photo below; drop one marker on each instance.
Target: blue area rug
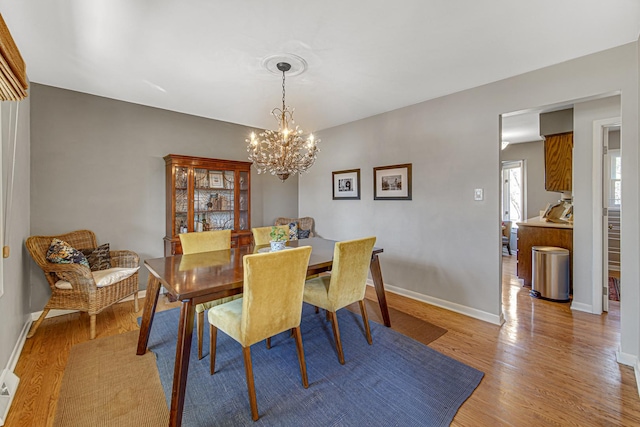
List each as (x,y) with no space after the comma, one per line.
(394,382)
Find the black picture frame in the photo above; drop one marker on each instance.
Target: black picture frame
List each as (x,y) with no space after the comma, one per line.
(392,182)
(346,184)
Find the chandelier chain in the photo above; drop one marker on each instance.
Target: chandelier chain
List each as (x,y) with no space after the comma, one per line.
(283,106)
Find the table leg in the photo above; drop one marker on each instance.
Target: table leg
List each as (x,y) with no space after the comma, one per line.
(376,274)
(150,302)
(183,351)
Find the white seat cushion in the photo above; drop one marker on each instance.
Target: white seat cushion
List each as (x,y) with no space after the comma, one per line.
(104,277)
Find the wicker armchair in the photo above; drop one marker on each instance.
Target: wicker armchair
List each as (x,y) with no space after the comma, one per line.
(305,223)
(84,295)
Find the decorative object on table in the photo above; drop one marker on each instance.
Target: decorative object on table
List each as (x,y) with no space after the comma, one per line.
(283,152)
(262,235)
(278,238)
(346,184)
(392,182)
(74,286)
(216,179)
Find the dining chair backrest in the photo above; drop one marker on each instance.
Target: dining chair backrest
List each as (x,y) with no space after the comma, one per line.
(262,235)
(272,293)
(205,241)
(506,230)
(351,261)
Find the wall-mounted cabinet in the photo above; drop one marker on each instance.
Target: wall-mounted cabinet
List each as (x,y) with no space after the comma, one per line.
(206,194)
(558,160)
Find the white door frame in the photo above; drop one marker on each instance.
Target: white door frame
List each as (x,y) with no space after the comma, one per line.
(597,200)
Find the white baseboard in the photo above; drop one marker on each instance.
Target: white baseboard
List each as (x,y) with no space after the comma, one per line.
(54,313)
(8,380)
(630,360)
(457,308)
(636,369)
(579,306)
(627,359)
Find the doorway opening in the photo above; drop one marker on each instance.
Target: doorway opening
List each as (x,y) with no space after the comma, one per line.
(612,203)
(512,201)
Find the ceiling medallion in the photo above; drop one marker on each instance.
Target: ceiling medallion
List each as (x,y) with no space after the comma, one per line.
(285,151)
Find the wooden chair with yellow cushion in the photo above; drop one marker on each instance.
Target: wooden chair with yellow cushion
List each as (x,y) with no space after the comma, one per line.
(345,285)
(206,241)
(262,235)
(271,304)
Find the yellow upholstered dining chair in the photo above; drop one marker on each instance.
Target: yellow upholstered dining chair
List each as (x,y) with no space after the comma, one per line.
(345,285)
(262,235)
(206,241)
(271,304)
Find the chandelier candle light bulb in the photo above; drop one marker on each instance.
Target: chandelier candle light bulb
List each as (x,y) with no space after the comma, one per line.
(283,152)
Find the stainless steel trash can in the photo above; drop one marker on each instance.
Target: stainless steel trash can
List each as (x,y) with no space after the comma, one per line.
(550,278)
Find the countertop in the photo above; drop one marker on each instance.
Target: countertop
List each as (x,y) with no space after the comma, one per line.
(539,222)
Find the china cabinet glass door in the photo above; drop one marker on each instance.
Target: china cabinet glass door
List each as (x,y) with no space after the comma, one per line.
(213,200)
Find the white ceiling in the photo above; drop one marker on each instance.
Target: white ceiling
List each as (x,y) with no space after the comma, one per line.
(365,57)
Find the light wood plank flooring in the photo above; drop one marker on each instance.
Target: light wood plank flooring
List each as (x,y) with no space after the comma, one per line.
(546,366)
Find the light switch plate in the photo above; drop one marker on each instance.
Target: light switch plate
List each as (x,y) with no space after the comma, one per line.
(478,194)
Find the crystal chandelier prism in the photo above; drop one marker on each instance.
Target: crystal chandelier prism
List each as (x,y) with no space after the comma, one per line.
(285,151)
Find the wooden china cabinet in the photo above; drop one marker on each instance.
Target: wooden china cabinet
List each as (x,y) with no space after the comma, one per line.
(207,194)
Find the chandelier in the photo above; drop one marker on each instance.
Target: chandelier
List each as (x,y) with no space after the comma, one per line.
(285,151)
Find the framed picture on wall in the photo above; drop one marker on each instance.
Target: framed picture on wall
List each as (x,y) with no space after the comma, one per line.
(392,182)
(346,184)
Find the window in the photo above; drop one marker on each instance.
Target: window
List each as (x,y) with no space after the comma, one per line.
(615,178)
(512,191)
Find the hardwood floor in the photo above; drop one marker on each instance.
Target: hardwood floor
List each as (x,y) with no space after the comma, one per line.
(546,366)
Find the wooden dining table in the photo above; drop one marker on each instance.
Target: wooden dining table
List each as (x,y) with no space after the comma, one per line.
(197,278)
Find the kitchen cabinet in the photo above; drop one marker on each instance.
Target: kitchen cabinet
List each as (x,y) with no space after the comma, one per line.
(558,161)
(206,194)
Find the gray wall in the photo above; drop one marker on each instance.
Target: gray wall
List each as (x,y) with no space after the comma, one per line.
(443,246)
(556,122)
(584,115)
(533,155)
(14,303)
(97,164)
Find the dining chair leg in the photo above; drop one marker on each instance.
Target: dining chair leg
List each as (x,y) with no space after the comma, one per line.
(213,335)
(365,319)
(336,335)
(300,350)
(317,309)
(268,343)
(199,328)
(248,369)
